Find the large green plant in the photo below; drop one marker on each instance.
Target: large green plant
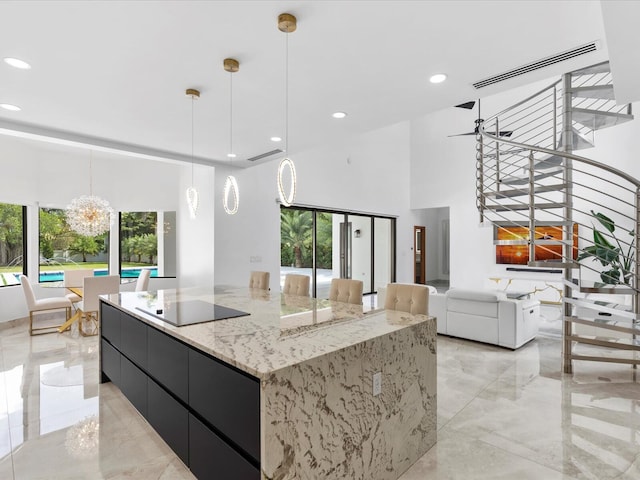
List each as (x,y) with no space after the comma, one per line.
(616,259)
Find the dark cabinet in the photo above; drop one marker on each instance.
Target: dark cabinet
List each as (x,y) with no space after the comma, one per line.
(227,399)
(110,324)
(110,362)
(133,340)
(207,411)
(168,363)
(133,383)
(208,453)
(170,419)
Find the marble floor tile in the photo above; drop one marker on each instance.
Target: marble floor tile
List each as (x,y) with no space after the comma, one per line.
(6,468)
(587,429)
(456,457)
(502,414)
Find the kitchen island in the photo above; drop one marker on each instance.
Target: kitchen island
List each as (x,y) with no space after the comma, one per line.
(284,391)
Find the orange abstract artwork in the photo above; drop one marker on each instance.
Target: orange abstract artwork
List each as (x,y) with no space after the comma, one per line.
(519,254)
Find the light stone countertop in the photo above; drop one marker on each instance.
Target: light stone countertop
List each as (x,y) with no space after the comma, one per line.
(281,330)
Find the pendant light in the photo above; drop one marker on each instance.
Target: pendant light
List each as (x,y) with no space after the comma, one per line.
(287,24)
(231,65)
(192,193)
(89,215)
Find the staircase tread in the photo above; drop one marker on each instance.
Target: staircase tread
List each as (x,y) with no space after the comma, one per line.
(516,192)
(602,67)
(621,343)
(601,92)
(598,119)
(523,206)
(520,180)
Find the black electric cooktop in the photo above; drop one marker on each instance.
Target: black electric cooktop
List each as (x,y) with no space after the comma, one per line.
(191,312)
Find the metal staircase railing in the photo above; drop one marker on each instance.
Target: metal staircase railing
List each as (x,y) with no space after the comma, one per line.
(532,179)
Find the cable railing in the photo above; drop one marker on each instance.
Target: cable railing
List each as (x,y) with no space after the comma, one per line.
(528,176)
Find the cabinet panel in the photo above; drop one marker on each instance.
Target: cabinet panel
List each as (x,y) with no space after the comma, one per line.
(110,362)
(209,456)
(169,418)
(110,323)
(227,399)
(133,384)
(133,341)
(168,363)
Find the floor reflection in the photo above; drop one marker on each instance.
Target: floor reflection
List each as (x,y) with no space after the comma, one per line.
(501,414)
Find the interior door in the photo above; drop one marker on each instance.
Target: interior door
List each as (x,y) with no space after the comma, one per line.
(419,254)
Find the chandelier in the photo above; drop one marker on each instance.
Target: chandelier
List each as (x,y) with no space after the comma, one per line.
(89,215)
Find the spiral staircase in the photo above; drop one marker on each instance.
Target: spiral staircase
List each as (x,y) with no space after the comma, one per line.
(533,179)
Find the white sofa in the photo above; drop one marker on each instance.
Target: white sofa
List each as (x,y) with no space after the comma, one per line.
(486,316)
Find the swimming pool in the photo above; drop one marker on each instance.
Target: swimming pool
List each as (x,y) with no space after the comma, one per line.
(58,276)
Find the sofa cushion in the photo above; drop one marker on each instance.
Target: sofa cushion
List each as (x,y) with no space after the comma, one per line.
(476,295)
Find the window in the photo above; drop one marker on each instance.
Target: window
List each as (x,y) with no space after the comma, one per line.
(62,249)
(12,243)
(324,244)
(147,240)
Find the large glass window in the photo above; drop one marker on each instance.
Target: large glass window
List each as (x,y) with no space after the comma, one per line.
(62,249)
(12,243)
(147,240)
(328,244)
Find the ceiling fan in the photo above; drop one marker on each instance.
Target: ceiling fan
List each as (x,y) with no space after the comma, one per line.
(478,121)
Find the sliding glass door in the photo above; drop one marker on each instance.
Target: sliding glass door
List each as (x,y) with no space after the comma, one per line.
(330,244)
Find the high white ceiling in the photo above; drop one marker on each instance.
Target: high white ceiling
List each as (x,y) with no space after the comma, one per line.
(115,72)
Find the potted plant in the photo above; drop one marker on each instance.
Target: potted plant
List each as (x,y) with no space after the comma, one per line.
(618,259)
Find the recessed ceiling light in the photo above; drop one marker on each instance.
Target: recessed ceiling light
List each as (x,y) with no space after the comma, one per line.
(438,78)
(339,115)
(276,139)
(17,63)
(231,155)
(8,106)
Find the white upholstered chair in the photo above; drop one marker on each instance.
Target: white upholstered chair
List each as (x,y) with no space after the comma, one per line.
(142,284)
(87,310)
(410,298)
(42,305)
(74,278)
(259,280)
(346,290)
(295,284)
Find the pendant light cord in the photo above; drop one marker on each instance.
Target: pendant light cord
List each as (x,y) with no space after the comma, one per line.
(286,96)
(192,100)
(231,116)
(90,173)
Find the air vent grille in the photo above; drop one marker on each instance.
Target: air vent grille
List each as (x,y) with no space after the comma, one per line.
(545,62)
(264,155)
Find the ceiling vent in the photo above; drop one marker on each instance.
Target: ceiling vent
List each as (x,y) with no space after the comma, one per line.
(545,62)
(264,155)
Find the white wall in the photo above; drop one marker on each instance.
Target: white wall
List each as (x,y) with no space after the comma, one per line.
(443,174)
(43,175)
(196,236)
(367,174)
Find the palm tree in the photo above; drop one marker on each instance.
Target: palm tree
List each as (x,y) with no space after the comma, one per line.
(295,231)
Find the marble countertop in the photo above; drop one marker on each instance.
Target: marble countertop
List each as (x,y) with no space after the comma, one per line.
(281,330)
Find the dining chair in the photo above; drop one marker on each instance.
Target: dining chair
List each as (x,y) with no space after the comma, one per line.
(295,284)
(346,290)
(42,305)
(74,278)
(88,309)
(142,284)
(410,298)
(259,280)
